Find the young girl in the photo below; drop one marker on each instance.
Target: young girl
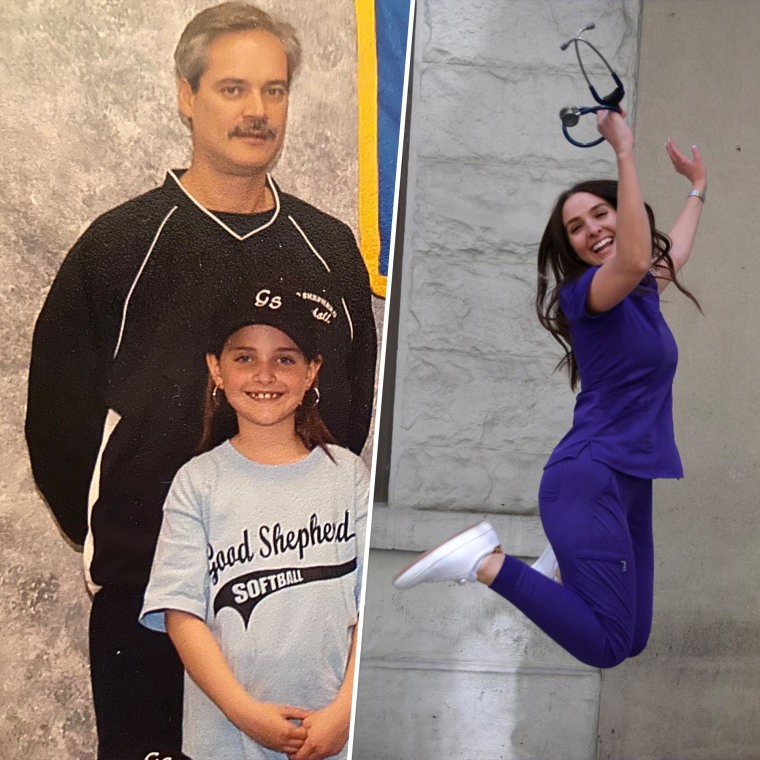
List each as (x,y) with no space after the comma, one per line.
(602,265)
(258,567)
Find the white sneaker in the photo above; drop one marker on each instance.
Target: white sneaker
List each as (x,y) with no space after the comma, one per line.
(456,559)
(547,564)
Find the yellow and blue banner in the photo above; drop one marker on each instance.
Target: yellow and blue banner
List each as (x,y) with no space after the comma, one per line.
(382,31)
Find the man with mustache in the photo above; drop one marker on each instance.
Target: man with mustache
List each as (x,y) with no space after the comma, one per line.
(118,377)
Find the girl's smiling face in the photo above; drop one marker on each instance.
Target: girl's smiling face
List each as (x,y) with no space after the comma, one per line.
(264,376)
(590,223)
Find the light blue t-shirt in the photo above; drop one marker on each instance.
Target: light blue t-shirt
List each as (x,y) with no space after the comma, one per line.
(270,557)
(627,359)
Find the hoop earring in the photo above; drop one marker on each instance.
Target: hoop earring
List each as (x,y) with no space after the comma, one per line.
(304,401)
(216,399)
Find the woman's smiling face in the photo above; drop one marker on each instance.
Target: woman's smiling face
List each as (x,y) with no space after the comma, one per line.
(590,223)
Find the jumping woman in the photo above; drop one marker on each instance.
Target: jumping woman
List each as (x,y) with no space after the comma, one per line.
(602,265)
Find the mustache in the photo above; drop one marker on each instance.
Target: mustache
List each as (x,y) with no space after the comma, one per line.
(257,128)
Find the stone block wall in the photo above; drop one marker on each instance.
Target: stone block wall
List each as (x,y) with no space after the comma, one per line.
(488,159)
(455,672)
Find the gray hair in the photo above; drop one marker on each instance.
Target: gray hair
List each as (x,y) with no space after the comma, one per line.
(191,55)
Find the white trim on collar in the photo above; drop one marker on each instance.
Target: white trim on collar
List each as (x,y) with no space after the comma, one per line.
(224,226)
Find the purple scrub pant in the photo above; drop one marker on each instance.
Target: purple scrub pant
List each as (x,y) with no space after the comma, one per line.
(599,523)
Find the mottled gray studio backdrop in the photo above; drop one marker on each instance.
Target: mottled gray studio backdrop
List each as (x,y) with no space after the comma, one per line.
(88,120)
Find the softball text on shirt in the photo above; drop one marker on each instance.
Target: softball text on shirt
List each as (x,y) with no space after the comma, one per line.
(244,592)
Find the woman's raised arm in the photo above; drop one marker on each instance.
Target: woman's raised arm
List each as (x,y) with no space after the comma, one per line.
(621,273)
(684,229)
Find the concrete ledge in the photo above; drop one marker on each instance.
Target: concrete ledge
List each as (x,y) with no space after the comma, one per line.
(479,667)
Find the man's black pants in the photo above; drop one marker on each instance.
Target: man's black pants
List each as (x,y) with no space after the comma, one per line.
(137,682)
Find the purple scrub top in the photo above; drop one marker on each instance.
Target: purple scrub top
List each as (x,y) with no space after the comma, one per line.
(627,359)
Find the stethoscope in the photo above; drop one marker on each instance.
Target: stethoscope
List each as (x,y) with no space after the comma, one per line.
(571,115)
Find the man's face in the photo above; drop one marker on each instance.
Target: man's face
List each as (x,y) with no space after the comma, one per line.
(240,109)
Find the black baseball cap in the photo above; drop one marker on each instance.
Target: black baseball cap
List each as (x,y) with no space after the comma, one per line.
(307,315)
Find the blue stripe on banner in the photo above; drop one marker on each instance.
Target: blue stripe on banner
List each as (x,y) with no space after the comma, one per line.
(391,28)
